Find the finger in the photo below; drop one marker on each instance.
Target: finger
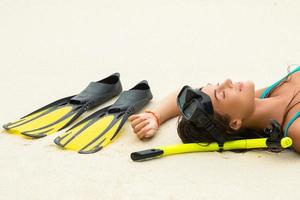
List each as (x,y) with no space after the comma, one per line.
(142,132)
(150,133)
(141,125)
(140,136)
(137,121)
(133,117)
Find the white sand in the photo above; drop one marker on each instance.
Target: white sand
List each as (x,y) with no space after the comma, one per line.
(52,48)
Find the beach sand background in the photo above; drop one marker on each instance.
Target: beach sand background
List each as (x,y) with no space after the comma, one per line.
(51,48)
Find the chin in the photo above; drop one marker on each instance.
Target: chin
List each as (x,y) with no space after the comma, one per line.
(250,84)
(249,88)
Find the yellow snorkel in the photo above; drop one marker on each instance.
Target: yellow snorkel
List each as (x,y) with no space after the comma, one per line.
(158,152)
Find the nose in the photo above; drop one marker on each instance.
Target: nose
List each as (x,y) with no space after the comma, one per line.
(226,83)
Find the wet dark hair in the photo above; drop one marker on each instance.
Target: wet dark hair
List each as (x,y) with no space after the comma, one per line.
(189,133)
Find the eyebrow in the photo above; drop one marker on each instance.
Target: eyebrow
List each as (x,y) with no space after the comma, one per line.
(215,93)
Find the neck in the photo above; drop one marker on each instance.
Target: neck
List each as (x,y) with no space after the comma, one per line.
(265,110)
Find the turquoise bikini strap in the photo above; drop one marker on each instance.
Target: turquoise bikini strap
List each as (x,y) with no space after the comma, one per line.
(290,123)
(268,90)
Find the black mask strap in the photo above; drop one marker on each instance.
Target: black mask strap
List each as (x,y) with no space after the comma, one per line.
(214,131)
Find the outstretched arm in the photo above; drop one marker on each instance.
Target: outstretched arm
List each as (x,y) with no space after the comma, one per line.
(167,108)
(145,125)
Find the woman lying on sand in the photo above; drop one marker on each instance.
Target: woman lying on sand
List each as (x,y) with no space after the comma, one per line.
(229,111)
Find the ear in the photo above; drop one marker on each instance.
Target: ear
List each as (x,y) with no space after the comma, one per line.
(235,124)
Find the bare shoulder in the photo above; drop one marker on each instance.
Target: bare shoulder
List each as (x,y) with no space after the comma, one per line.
(294,133)
(296,76)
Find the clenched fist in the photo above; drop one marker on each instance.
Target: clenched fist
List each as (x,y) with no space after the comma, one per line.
(144,125)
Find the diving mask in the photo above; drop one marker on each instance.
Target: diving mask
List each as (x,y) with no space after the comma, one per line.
(196,107)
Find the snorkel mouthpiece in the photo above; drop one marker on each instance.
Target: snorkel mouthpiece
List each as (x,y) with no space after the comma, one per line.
(196,107)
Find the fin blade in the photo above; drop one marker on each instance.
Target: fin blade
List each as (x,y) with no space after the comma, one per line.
(47,130)
(66,137)
(44,122)
(104,140)
(24,120)
(85,133)
(92,138)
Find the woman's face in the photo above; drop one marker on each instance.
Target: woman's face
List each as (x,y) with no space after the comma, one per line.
(233,99)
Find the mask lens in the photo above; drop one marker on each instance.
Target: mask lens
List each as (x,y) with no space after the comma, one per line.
(194,105)
(181,99)
(190,111)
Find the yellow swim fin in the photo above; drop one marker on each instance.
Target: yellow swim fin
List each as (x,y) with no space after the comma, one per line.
(96,131)
(61,113)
